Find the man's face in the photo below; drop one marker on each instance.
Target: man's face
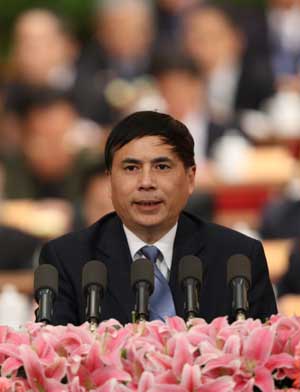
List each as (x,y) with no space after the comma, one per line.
(211,41)
(149,186)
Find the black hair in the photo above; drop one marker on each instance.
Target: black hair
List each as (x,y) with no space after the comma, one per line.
(151,123)
(24,98)
(167,61)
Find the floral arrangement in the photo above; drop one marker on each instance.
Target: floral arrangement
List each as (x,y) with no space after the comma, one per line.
(153,356)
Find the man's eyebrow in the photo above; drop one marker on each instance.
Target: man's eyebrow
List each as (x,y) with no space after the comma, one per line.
(139,161)
(162,159)
(131,160)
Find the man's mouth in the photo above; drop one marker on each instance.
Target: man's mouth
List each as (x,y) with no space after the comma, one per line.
(147,203)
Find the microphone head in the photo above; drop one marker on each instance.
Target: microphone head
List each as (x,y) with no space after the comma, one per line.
(94,272)
(142,270)
(190,267)
(45,277)
(239,266)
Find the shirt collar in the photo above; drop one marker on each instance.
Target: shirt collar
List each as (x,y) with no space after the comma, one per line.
(165,244)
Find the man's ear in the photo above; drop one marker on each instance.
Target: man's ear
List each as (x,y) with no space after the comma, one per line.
(108,174)
(191,173)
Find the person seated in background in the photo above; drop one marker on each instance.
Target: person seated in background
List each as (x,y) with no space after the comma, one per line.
(149,158)
(18,249)
(181,84)
(273,31)
(280,217)
(49,163)
(95,200)
(119,54)
(213,38)
(288,287)
(169,15)
(43,52)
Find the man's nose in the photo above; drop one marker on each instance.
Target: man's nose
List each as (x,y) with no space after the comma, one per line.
(147,179)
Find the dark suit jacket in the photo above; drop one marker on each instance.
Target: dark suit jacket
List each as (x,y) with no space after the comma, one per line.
(289,283)
(255,84)
(106,241)
(18,249)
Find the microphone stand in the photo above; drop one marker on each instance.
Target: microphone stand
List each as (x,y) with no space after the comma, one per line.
(240,301)
(142,298)
(93,326)
(45,309)
(192,303)
(93,306)
(240,315)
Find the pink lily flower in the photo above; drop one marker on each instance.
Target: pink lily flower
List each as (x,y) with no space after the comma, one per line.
(167,388)
(222,384)
(191,377)
(113,386)
(5,384)
(176,324)
(146,382)
(36,377)
(167,377)
(256,352)
(101,376)
(74,386)
(10,366)
(182,353)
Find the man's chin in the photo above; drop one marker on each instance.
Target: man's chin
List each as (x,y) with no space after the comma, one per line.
(149,221)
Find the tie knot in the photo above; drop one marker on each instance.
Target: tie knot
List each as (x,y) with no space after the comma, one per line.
(151,252)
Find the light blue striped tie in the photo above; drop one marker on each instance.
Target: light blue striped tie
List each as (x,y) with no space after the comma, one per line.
(161,301)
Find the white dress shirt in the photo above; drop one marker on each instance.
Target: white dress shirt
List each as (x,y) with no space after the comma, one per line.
(165,245)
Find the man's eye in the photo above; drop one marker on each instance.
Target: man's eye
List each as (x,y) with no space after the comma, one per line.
(163,166)
(130,168)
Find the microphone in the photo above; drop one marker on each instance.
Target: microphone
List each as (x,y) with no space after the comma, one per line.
(94,282)
(239,278)
(45,291)
(142,283)
(190,279)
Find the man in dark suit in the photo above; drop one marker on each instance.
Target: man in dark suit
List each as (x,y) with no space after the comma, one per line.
(150,162)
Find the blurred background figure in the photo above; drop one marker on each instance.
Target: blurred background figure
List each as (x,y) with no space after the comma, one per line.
(169,15)
(274,32)
(43,49)
(288,287)
(43,53)
(283,18)
(19,255)
(280,217)
(272,37)
(216,42)
(18,250)
(95,199)
(49,162)
(119,54)
(182,87)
